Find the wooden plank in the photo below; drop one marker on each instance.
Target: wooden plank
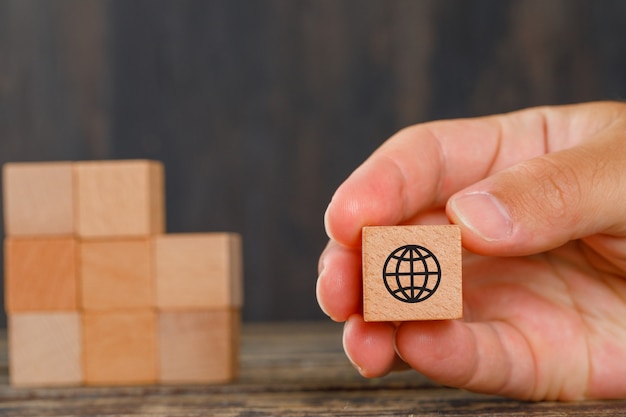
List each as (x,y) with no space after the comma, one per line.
(120,198)
(38,198)
(45,349)
(116,274)
(198,346)
(412,273)
(41,274)
(119,347)
(199,270)
(296,368)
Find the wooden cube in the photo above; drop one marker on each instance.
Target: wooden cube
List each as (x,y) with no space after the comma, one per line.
(41,274)
(38,199)
(119,198)
(120,347)
(44,349)
(198,346)
(202,270)
(412,273)
(116,274)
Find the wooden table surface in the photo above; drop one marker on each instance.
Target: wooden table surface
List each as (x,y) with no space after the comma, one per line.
(294,369)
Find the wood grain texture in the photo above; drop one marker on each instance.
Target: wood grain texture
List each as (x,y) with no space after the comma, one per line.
(412,273)
(45,349)
(116,274)
(198,346)
(41,274)
(120,198)
(38,199)
(296,368)
(198,270)
(119,347)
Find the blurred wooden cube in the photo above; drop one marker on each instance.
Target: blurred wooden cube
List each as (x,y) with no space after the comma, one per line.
(412,273)
(120,198)
(120,347)
(40,274)
(38,199)
(116,274)
(198,346)
(44,349)
(199,270)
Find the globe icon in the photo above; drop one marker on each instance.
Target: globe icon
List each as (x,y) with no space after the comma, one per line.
(411,273)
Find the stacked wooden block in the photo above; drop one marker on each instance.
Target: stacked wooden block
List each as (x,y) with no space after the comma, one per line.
(97,294)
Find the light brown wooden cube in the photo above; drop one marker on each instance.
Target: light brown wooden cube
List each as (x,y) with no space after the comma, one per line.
(116,274)
(119,198)
(120,347)
(44,349)
(199,270)
(38,199)
(198,346)
(412,273)
(41,274)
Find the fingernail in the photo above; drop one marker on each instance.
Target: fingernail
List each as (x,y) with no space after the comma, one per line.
(326,221)
(484,215)
(317,294)
(395,345)
(346,329)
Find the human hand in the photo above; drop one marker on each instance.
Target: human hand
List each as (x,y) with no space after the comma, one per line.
(540,196)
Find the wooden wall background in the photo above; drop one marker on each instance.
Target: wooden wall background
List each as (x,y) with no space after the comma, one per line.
(259,109)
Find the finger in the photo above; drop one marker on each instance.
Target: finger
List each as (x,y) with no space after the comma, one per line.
(370,347)
(421,166)
(475,357)
(339,286)
(403,177)
(544,202)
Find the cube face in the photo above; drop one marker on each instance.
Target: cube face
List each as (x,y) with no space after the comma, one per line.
(41,275)
(116,274)
(198,271)
(198,346)
(119,199)
(38,199)
(45,349)
(412,273)
(120,347)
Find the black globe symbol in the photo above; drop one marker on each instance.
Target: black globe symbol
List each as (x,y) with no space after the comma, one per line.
(411,273)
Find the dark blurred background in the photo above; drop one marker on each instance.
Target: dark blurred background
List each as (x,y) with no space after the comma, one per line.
(260,108)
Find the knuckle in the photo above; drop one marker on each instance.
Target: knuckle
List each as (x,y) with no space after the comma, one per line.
(555,189)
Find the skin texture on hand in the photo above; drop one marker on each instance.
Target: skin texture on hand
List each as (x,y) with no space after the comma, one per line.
(540,196)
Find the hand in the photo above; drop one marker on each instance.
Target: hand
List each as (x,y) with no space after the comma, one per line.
(540,196)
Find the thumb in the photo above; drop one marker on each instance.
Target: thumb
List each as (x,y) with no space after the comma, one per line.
(544,202)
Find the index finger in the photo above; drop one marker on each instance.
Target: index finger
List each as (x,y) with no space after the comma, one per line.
(420,167)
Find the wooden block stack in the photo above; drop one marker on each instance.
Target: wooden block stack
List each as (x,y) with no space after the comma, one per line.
(97,294)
